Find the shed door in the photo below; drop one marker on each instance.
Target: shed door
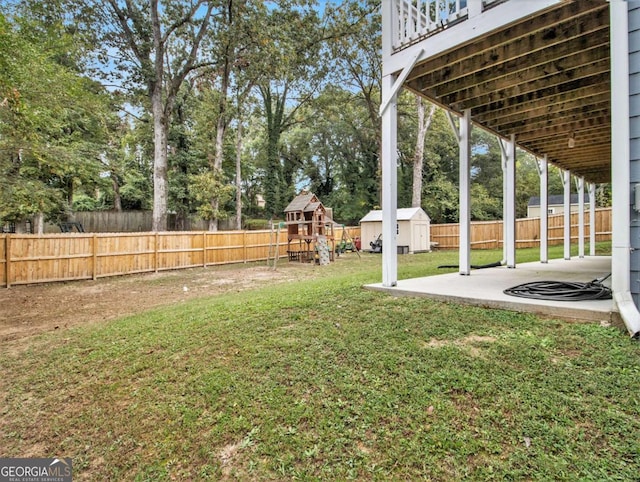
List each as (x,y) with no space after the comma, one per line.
(419,237)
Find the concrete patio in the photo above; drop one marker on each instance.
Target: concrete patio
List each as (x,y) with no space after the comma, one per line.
(484,287)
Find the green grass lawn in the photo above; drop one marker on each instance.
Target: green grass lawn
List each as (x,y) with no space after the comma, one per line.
(324,380)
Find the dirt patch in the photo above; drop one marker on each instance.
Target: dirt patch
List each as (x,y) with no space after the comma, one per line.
(470,343)
(29,310)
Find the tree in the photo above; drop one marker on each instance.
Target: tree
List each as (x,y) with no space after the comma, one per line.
(291,83)
(358,66)
(239,173)
(440,199)
(208,185)
(418,161)
(303,55)
(237,60)
(152,46)
(185,159)
(53,125)
(486,163)
(332,154)
(135,165)
(440,170)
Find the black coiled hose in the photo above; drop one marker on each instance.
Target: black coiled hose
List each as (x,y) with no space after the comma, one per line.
(562,290)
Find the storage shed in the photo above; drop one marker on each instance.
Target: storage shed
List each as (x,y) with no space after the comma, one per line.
(413,230)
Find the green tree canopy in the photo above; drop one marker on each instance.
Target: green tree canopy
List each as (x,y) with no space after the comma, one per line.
(53,126)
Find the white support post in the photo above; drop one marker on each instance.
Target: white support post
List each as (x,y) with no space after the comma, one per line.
(580,187)
(389,184)
(543,172)
(566,182)
(464,141)
(592,219)
(621,192)
(620,167)
(509,200)
(503,156)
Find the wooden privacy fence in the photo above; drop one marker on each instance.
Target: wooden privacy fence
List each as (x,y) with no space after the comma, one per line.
(488,234)
(27,258)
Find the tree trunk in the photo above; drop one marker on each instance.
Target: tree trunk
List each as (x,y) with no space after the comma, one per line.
(418,161)
(274,113)
(222,121)
(160,182)
(117,200)
(217,162)
(220,131)
(376,123)
(239,175)
(38,223)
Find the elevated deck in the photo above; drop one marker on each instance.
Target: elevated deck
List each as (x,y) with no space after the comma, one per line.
(535,69)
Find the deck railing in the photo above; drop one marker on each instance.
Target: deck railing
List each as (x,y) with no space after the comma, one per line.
(416,19)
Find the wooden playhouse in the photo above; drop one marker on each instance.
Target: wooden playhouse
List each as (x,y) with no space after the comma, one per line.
(309,229)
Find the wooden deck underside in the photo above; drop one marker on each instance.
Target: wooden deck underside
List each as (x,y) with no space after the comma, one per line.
(545,79)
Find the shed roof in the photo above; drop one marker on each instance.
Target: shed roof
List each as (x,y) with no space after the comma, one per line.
(404,214)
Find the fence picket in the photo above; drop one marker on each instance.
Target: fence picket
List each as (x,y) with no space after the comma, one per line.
(7,259)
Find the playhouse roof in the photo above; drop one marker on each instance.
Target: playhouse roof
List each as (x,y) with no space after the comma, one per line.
(301,202)
(312,206)
(404,214)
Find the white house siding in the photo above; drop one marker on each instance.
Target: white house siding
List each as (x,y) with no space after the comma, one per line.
(634,128)
(554,209)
